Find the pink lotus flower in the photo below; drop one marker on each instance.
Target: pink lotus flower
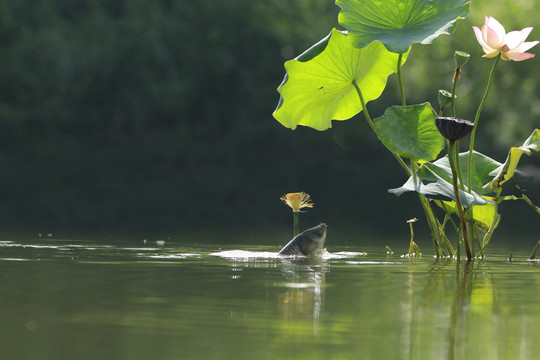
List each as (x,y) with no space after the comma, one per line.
(495,40)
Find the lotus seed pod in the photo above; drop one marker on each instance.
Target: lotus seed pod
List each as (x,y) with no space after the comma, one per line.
(445,98)
(453,128)
(461,58)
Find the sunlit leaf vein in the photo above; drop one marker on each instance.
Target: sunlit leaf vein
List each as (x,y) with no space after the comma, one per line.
(343,74)
(382,21)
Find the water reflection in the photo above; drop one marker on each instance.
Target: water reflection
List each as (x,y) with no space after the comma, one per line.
(304,278)
(458,333)
(459,314)
(304,296)
(192,303)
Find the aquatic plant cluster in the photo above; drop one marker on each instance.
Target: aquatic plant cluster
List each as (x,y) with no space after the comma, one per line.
(337,77)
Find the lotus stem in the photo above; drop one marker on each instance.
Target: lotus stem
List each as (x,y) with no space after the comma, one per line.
(458,166)
(370,122)
(296,216)
(476,119)
(535,250)
(451,158)
(529,202)
(454,82)
(400,80)
(436,230)
(413,248)
(489,233)
(461,59)
(435,226)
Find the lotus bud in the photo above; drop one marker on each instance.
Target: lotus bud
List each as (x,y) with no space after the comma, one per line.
(453,128)
(461,58)
(445,98)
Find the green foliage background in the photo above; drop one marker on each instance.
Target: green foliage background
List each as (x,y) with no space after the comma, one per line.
(157,116)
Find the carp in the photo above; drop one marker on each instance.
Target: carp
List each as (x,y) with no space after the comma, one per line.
(307,242)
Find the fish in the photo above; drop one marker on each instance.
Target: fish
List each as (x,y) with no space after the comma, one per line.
(307,242)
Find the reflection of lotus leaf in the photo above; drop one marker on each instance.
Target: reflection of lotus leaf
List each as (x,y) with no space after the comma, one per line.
(482,300)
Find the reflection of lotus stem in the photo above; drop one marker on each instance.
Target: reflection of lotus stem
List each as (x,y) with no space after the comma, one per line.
(296,215)
(476,118)
(401,89)
(451,158)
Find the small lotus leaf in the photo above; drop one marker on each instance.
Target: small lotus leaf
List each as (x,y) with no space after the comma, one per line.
(410,131)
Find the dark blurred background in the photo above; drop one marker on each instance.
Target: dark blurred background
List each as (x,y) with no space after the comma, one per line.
(120,116)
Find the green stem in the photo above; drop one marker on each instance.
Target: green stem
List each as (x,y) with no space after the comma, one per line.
(456,228)
(370,122)
(535,251)
(411,246)
(489,234)
(364,107)
(476,118)
(437,231)
(296,215)
(529,202)
(446,241)
(458,200)
(452,106)
(434,224)
(400,80)
(458,166)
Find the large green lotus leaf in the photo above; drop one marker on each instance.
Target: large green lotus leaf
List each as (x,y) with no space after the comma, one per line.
(507,170)
(398,23)
(482,215)
(318,86)
(428,182)
(483,171)
(410,131)
(435,179)
(483,166)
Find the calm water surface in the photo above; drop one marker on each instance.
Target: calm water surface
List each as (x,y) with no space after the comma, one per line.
(65,299)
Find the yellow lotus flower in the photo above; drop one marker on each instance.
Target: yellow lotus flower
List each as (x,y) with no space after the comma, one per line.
(297,201)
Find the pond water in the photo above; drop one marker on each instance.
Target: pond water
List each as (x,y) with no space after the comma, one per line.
(66,299)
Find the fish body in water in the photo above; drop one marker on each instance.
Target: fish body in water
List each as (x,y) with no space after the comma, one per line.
(307,242)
